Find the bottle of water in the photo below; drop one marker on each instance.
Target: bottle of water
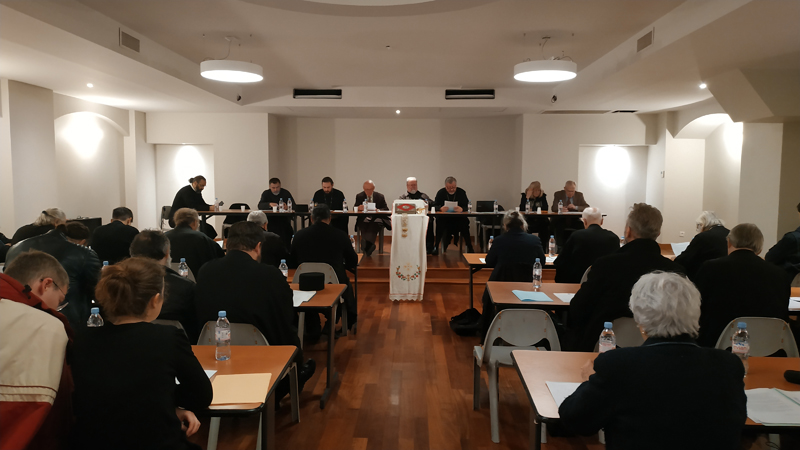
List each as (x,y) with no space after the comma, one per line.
(284,268)
(528,206)
(105,265)
(310,205)
(537,274)
(552,246)
(281,206)
(621,241)
(365,203)
(95,320)
(344,205)
(353,242)
(216,203)
(491,241)
(469,206)
(222,332)
(495,206)
(560,206)
(183,268)
(740,344)
(289,205)
(607,339)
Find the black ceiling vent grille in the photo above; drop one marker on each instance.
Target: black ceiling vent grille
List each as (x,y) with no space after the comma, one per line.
(128,41)
(645,41)
(330,94)
(625,111)
(469,94)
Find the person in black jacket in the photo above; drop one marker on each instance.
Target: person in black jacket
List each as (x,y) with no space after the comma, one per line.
(81,264)
(334,198)
(179,292)
(708,244)
(251,293)
(187,242)
(191,196)
(125,371)
(323,243)
(112,241)
(370,226)
(48,220)
(282,226)
(413,194)
(740,285)
(273,251)
(786,254)
(604,296)
(538,199)
(5,245)
(584,247)
(635,391)
(452,227)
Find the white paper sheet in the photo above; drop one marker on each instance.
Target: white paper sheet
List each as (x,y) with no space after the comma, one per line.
(550,259)
(209,374)
(371,207)
(482,260)
(451,206)
(561,390)
(564,297)
(678,247)
(769,406)
(300,297)
(794,302)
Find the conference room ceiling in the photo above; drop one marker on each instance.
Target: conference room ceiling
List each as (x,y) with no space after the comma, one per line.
(434,45)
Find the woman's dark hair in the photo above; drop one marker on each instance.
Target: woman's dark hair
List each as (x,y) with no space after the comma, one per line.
(126,288)
(320,212)
(75,230)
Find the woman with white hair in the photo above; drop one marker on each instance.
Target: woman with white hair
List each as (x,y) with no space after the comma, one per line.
(709,243)
(48,220)
(669,393)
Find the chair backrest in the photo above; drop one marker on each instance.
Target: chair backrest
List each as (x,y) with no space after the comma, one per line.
(586,275)
(233,218)
(166,214)
(173,323)
(174,266)
(520,328)
(323,268)
(627,333)
(767,336)
(241,334)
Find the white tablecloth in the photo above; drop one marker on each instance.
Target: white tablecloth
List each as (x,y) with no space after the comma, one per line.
(409,261)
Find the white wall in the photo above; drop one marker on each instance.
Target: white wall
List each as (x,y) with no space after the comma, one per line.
(148,212)
(759,188)
(683,188)
(656,162)
(608,186)
(7,222)
(723,160)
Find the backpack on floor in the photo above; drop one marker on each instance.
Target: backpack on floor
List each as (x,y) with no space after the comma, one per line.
(468,323)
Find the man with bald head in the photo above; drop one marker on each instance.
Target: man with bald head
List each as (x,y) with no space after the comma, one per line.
(370,226)
(584,246)
(572,201)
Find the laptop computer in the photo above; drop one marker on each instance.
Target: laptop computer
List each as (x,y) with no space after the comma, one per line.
(485,206)
(300,207)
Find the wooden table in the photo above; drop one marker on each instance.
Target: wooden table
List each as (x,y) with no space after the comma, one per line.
(353,271)
(502,297)
(535,368)
(475,264)
(273,359)
(325,301)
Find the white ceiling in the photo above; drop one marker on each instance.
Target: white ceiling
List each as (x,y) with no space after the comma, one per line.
(62,44)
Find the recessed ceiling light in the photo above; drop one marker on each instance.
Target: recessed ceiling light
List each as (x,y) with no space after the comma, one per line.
(702,86)
(89,85)
(397,112)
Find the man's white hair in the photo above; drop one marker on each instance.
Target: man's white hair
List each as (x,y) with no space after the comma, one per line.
(592,215)
(708,219)
(665,305)
(410,179)
(257,217)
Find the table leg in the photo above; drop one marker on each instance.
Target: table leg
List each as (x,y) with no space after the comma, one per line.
(301,326)
(203,218)
(331,342)
(535,433)
(268,425)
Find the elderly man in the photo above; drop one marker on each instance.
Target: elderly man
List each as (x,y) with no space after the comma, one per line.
(604,296)
(112,241)
(452,227)
(282,226)
(370,226)
(186,242)
(191,196)
(273,249)
(584,247)
(47,220)
(179,291)
(413,194)
(786,254)
(634,391)
(572,201)
(739,285)
(334,198)
(709,243)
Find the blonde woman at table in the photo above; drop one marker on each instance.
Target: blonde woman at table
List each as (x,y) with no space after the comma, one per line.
(126,396)
(669,393)
(538,199)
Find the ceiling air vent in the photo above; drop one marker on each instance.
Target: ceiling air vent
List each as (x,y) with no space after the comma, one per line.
(469,94)
(624,111)
(645,41)
(576,111)
(128,41)
(334,94)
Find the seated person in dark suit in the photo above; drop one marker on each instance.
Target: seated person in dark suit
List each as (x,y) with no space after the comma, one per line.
(186,242)
(584,247)
(179,291)
(604,296)
(334,198)
(252,293)
(125,371)
(323,243)
(370,226)
(572,201)
(740,285)
(635,391)
(76,232)
(282,226)
(272,249)
(191,196)
(47,220)
(112,241)
(413,194)
(452,227)
(709,243)
(786,254)
(512,256)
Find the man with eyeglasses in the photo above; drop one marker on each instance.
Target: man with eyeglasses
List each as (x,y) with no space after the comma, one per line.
(35,381)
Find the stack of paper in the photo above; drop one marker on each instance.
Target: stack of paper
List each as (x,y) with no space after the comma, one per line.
(240,388)
(550,259)
(773,406)
(679,247)
(561,390)
(794,302)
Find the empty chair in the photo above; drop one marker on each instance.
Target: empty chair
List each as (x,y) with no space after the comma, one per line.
(233,218)
(627,333)
(520,329)
(767,336)
(330,278)
(246,334)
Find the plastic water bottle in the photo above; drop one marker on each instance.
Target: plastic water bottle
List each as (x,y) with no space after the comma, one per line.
(222,332)
(740,344)
(289,205)
(607,339)
(311,205)
(495,206)
(353,242)
(95,320)
(105,265)
(552,246)
(491,241)
(284,268)
(621,241)
(281,206)
(537,274)
(528,206)
(560,206)
(469,206)
(216,203)
(183,268)
(344,205)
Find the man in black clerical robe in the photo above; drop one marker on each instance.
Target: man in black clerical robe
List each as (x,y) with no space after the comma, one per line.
(191,196)
(413,194)
(452,227)
(282,226)
(334,198)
